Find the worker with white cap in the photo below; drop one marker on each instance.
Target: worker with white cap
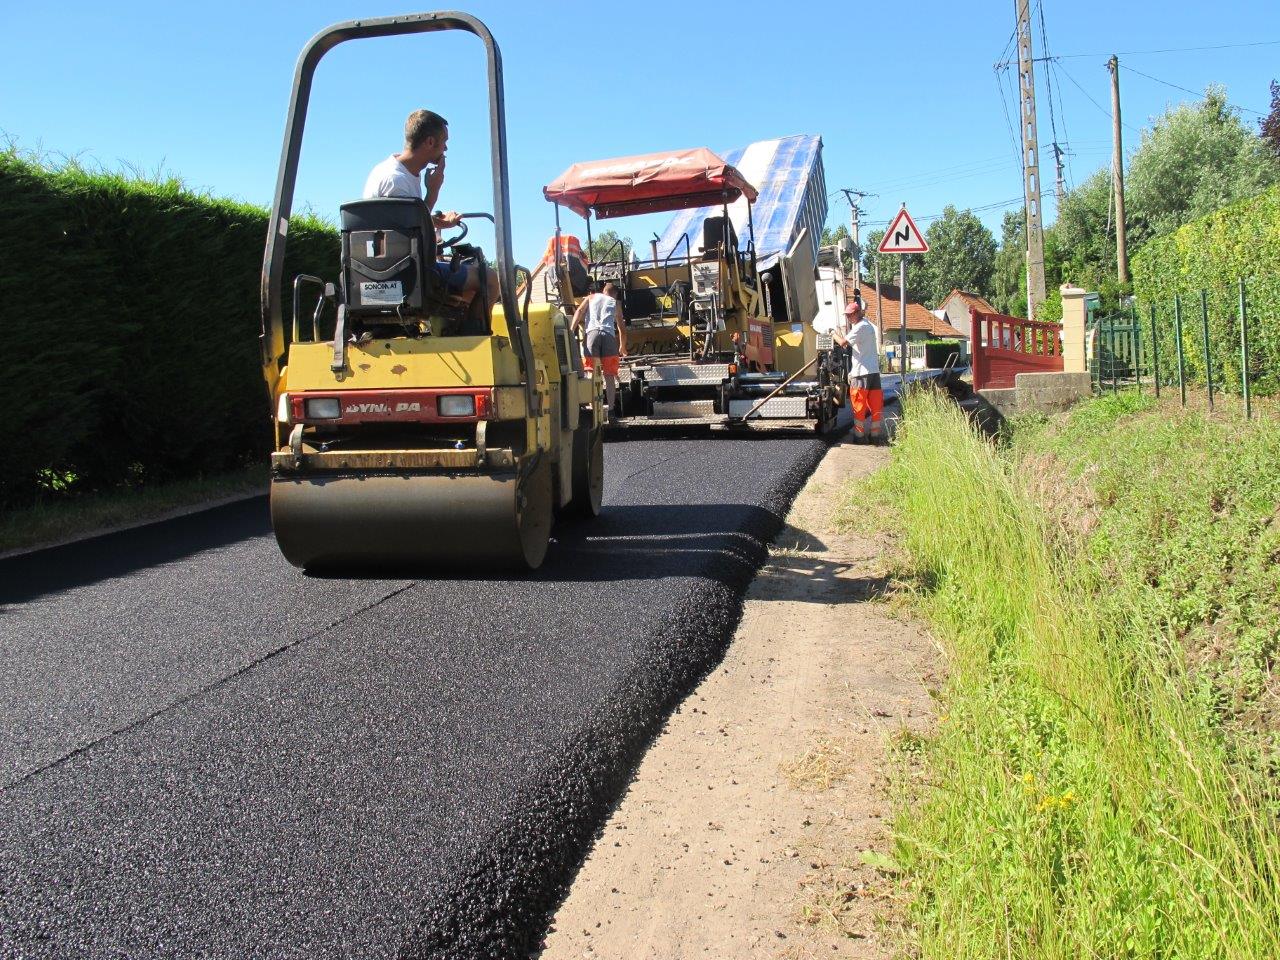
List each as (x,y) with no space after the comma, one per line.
(866,396)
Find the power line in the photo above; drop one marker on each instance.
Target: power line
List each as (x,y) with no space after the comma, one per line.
(1008,121)
(1061,181)
(1143,53)
(1138,53)
(1105,112)
(1194,93)
(935,216)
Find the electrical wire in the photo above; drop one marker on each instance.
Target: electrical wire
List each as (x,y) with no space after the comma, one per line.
(1100,107)
(1014,140)
(1194,93)
(936,216)
(1137,53)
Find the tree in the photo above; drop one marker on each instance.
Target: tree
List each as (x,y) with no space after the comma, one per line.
(831,237)
(1009,277)
(1194,159)
(1269,126)
(605,246)
(962,254)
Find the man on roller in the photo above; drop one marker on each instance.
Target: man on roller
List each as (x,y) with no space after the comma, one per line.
(865,394)
(426,139)
(606,337)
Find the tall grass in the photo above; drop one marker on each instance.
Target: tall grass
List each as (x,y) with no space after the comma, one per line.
(1079,803)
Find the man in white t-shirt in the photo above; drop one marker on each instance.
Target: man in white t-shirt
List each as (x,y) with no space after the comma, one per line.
(606,337)
(426,138)
(866,396)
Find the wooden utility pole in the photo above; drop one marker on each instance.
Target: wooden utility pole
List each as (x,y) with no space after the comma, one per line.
(1030,161)
(855,212)
(1117,170)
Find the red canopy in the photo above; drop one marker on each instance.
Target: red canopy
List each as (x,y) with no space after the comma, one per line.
(650,183)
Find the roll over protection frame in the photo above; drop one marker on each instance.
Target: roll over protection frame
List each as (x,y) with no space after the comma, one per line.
(272,339)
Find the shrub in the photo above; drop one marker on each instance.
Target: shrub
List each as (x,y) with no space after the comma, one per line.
(132,306)
(1240,240)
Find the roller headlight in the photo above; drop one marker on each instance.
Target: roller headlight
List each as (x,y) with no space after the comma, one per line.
(323,408)
(458,406)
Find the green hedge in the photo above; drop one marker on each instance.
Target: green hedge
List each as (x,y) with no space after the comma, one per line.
(132,316)
(1240,240)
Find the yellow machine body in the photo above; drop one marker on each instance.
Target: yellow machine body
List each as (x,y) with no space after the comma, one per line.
(482,491)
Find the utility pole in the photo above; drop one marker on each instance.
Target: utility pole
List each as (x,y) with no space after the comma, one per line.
(1030,161)
(855,212)
(1117,170)
(1062,183)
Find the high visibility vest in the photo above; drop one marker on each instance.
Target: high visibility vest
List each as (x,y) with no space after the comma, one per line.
(569,244)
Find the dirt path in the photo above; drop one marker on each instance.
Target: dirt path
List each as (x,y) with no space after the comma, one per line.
(742,832)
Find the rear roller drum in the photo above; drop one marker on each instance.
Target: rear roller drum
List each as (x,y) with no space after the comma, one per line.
(588,473)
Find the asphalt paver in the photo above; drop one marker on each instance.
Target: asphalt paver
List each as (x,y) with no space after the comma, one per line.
(206,753)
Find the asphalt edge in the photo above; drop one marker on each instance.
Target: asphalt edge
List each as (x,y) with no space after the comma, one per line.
(174,514)
(546,834)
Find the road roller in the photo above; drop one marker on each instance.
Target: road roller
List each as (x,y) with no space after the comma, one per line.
(415,429)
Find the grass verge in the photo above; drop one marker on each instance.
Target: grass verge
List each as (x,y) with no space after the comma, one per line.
(1091,790)
(87,514)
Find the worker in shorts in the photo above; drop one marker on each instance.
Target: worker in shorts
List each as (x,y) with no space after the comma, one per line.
(606,337)
(866,396)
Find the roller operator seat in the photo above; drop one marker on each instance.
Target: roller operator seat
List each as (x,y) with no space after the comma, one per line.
(388,259)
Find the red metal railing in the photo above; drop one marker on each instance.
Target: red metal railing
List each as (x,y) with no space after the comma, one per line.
(1004,347)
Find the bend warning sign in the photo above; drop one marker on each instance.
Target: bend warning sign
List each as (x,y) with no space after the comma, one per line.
(903,236)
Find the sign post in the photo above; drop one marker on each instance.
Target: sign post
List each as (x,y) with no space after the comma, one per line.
(903,237)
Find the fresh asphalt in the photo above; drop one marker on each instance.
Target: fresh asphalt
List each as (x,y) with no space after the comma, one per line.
(204,752)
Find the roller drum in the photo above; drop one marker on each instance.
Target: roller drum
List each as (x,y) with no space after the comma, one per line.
(413,520)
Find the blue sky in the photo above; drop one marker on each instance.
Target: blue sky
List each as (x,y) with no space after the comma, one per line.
(904,95)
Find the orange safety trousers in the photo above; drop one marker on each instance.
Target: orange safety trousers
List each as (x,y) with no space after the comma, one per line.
(868,410)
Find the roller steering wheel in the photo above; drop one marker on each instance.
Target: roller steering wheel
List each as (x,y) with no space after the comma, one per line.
(450,241)
(462,224)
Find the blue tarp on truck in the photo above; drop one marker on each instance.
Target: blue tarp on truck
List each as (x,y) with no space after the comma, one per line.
(793,197)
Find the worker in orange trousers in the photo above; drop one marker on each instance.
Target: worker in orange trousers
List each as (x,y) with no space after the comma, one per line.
(866,396)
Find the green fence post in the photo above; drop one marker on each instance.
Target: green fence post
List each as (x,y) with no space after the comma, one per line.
(1177,336)
(1208,357)
(1244,355)
(1136,343)
(1155,352)
(1115,372)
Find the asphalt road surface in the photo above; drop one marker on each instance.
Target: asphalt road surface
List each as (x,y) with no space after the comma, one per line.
(204,752)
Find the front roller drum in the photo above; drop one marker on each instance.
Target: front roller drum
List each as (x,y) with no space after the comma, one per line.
(414,520)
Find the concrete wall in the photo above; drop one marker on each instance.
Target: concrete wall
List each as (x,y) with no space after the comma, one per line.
(1038,393)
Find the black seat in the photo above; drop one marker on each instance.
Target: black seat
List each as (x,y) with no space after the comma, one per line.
(714,230)
(638,303)
(388,258)
(579,279)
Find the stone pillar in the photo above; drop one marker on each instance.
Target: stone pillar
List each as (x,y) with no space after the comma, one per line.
(1073,326)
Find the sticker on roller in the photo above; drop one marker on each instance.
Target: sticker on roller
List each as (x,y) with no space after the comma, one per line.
(389,292)
(825,341)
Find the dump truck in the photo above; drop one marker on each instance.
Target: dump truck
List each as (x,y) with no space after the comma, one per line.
(412,428)
(718,331)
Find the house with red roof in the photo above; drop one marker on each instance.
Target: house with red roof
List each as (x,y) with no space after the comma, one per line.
(955,308)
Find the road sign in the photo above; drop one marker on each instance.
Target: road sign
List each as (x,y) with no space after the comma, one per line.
(903,236)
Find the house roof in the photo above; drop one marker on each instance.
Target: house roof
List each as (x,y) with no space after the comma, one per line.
(919,318)
(971,301)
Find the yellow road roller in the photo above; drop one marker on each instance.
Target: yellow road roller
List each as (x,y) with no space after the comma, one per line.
(413,429)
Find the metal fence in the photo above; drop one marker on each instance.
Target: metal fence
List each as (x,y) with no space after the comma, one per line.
(1198,340)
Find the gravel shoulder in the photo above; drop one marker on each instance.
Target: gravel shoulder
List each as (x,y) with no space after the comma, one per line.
(743,832)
